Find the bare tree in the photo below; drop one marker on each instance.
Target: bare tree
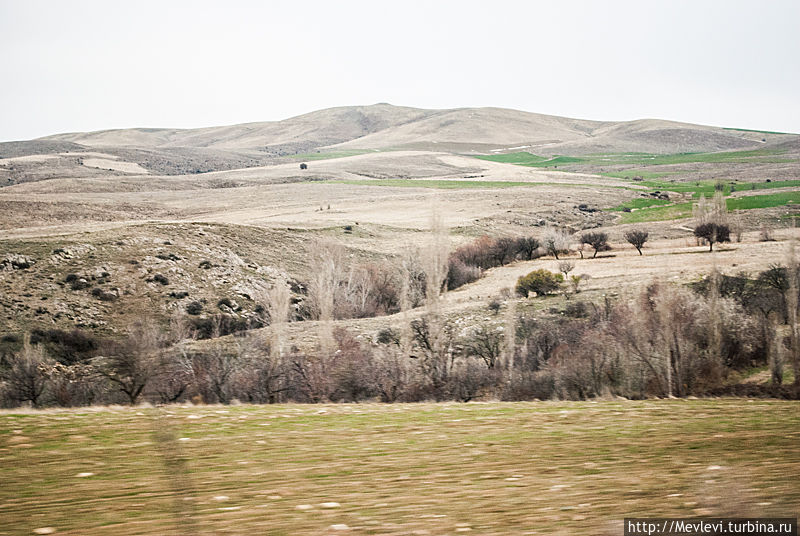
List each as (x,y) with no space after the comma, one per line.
(327,266)
(135,361)
(774,343)
(279,300)
(485,343)
(527,247)
(636,238)
(510,334)
(434,350)
(714,211)
(25,377)
(712,233)
(555,241)
(597,240)
(712,220)
(565,267)
(433,334)
(214,368)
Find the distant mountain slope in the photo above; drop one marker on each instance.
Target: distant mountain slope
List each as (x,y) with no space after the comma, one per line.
(303,132)
(465,130)
(479,126)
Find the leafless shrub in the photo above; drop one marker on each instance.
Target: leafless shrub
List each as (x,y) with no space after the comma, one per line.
(214,368)
(433,348)
(354,370)
(132,363)
(394,374)
(309,377)
(460,274)
(467,262)
(494,305)
(72,385)
(470,379)
(565,267)
(485,343)
(24,376)
(775,351)
(530,385)
(555,241)
(586,369)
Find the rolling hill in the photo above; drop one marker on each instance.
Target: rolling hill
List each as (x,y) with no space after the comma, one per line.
(465,130)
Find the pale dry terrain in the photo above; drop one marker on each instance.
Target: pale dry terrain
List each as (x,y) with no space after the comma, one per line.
(374,177)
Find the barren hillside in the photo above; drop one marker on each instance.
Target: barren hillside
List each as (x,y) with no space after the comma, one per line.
(383,126)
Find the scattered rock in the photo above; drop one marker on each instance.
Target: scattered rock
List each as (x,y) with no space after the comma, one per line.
(16,262)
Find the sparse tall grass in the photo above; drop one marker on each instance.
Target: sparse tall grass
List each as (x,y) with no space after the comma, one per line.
(278,303)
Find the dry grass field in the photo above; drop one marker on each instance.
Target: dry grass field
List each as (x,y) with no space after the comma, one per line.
(485,468)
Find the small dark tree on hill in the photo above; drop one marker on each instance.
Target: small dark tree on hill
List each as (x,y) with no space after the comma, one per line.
(527,247)
(713,232)
(597,240)
(636,238)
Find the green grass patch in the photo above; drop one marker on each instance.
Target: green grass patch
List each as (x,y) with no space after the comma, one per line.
(658,213)
(640,203)
(763,201)
(514,158)
(652,212)
(708,187)
(757,131)
(642,159)
(767,185)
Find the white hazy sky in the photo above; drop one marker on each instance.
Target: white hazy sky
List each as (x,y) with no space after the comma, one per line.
(89,65)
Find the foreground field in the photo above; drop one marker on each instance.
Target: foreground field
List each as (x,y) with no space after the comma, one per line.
(496,468)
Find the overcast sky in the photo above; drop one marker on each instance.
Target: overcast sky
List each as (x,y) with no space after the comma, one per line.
(85,65)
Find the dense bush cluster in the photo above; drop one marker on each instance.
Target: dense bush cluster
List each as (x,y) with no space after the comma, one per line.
(667,341)
(466,263)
